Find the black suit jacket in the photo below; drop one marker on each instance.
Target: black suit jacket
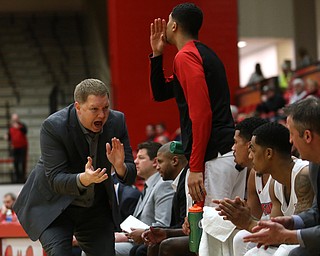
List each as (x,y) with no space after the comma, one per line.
(311,218)
(179,202)
(52,186)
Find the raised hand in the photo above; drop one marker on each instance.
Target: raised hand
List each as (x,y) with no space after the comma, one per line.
(158,36)
(92,176)
(115,153)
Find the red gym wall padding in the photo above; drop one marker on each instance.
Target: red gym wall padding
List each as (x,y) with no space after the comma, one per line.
(128,30)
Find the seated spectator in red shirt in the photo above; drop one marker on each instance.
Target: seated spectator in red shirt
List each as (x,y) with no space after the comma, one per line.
(162,135)
(176,135)
(150,132)
(17,135)
(8,200)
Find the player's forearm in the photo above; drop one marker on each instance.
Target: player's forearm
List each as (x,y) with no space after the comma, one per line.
(174,232)
(121,170)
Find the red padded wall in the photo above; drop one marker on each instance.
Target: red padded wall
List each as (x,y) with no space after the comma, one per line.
(129,28)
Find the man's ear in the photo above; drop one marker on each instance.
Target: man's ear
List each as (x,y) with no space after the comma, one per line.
(175,161)
(154,164)
(77,105)
(174,26)
(307,136)
(269,153)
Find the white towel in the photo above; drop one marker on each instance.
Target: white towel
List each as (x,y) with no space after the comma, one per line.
(217,235)
(214,225)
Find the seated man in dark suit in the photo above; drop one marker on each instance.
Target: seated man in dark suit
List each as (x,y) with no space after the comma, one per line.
(172,165)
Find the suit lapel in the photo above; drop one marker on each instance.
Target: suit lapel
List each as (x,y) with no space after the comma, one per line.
(77,136)
(182,177)
(142,202)
(175,214)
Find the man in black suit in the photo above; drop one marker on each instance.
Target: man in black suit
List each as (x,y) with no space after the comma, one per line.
(302,229)
(71,191)
(172,165)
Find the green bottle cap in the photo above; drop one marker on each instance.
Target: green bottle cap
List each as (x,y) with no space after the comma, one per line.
(176,147)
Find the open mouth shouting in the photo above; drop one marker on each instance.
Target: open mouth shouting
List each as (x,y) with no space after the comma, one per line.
(98,125)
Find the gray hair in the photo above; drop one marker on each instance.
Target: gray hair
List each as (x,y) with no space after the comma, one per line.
(305,114)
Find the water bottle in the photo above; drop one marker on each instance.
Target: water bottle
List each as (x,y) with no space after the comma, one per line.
(9,215)
(194,217)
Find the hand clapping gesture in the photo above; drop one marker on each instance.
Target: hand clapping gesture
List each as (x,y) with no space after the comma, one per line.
(237,211)
(116,156)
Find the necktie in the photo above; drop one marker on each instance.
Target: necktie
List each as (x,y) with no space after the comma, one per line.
(144,190)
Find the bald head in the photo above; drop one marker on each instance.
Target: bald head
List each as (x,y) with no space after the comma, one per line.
(169,162)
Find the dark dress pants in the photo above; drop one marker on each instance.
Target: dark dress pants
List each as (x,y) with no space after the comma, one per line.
(20,162)
(173,246)
(139,250)
(93,227)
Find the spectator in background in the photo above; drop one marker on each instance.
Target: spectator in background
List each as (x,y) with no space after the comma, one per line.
(272,101)
(234,112)
(304,58)
(257,75)
(150,132)
(162,135)
(176,136)
(299,91)
(162,139)
(17,135)
(312,88)
(285,76)
(8,201)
